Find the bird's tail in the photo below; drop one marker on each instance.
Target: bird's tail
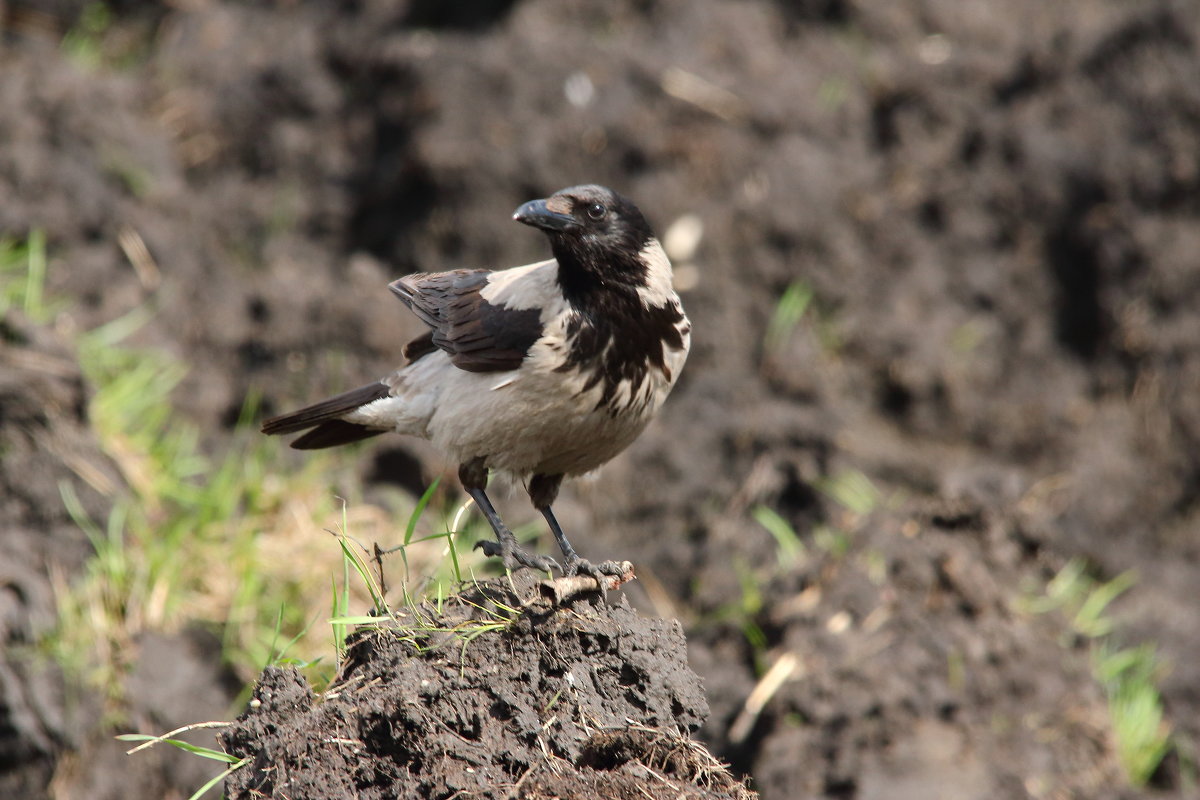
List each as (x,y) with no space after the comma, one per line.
(328,429)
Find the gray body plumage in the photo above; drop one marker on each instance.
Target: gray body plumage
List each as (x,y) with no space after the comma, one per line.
(537,418)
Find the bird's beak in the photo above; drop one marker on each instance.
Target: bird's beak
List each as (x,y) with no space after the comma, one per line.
(539,215)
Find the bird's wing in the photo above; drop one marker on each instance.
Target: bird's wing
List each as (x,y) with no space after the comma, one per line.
(480,336)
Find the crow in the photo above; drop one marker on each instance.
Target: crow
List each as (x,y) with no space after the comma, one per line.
(543,371)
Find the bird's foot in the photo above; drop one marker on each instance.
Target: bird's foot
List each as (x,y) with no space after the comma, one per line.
(514,556)
(600,572)
(582,566)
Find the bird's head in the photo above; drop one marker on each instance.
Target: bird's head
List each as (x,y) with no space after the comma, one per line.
(594,232)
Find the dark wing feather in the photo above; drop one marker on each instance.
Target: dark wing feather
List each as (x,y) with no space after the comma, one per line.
(421,346)
(332,409)
(479,336)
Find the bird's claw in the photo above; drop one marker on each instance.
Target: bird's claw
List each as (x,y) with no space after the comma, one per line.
(578,565)
(600,572)
(515,557)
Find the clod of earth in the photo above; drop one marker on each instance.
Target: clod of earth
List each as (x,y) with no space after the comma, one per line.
(476,699)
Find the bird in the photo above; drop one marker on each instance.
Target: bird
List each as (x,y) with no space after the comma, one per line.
(544,371)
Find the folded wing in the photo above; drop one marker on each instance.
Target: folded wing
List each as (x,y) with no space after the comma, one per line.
(478,335)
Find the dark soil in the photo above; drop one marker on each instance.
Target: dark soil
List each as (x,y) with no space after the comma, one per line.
(42,396)
(53,733)
(587,701)
(995,206)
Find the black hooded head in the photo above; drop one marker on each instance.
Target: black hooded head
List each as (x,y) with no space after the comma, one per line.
(598,238)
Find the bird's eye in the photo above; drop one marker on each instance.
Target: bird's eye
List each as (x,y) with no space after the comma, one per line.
(596,211)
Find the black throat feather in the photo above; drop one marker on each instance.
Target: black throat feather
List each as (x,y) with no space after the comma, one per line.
(613,336)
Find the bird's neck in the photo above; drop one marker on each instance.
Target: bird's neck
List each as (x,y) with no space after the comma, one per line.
(592,287)
(605,284)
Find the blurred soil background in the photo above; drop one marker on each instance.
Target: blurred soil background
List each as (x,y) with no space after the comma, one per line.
(926,499)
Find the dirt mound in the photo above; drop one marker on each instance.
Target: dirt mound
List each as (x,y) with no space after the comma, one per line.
(478,699)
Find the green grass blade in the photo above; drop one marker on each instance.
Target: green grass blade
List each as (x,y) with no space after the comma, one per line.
(218,778)
(362,619)
(788,313)
(454,565)
(194,749)
(121,328)
(35,279)
(339,631)
(1090,620)
(791,549)
(354,560)
(419,510)
(77,513)
(850,489)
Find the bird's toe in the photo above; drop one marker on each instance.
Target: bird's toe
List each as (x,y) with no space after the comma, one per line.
(613,569)
(534,561)
(582,566)
(490,549)
(516,557)
(600,572)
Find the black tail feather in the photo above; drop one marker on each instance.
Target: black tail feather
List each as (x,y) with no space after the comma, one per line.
(333,433)
(326,410)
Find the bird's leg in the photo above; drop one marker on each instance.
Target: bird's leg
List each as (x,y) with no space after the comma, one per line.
(506,545)
(543,489)
(473,476)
